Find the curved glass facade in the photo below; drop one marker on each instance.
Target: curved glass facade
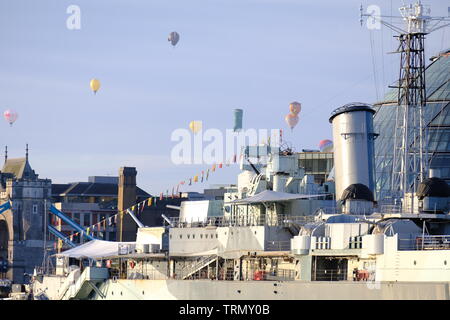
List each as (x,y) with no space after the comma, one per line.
(437,118)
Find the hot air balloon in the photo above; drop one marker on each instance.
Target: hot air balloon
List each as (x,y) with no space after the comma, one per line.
(195,126)
(95,85)
(174,37)
(326,146)
(295,107)
(291,120)
(10,116)
(238,113)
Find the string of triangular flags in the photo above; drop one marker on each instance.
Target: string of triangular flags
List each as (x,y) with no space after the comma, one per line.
(112,220)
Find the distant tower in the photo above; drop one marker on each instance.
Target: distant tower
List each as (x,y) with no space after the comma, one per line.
(410,162)
(126,227)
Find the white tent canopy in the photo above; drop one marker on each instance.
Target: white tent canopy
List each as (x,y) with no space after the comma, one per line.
(94,249)
(274,196)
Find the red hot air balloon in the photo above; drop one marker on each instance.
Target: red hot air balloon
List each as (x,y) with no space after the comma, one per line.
(291,120)
(10,116)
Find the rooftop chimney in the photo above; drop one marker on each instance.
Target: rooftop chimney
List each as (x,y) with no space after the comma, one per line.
(126,227)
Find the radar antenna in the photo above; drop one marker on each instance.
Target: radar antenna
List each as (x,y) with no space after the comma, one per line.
(410,161)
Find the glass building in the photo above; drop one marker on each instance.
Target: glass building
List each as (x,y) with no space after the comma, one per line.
(437,118)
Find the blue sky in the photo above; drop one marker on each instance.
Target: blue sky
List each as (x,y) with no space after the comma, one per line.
(258,55)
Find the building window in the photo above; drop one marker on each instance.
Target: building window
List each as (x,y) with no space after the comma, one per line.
(86,219)
(76,217)
(35,208)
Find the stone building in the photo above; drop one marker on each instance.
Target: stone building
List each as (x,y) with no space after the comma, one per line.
(22,228)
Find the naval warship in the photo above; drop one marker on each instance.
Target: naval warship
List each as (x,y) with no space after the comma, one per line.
(280,235)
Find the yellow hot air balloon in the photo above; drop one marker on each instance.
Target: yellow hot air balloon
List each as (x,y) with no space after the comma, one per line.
(95,85)
(195,126)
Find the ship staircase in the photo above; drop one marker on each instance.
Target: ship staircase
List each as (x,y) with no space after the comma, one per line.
(80,286)
(196,265)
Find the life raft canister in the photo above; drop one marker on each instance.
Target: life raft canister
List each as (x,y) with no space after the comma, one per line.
(132,264)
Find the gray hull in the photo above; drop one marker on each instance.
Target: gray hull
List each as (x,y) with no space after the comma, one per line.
(269,290)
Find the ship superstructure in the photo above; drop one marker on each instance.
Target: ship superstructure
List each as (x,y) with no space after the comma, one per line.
(277,235)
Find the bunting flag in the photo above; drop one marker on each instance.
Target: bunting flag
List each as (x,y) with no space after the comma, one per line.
(112,220)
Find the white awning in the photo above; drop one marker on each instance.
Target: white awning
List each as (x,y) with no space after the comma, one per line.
(94,249)
(275,196)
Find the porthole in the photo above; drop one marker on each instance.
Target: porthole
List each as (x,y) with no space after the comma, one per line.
(189,236)
(445,262)
(201,236)
(181,236)
(143,293)
(415,262)
(217,236)
(255,232)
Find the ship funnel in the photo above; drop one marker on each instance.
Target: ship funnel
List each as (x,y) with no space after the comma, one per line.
(353,139)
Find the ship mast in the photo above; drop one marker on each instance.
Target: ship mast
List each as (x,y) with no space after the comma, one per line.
(410,160)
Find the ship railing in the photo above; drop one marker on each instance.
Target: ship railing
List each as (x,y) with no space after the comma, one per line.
(277,220)
(278,245)
(390,208)
(280,275)
(428,242)
(328,210)
(330,275)
(146,275)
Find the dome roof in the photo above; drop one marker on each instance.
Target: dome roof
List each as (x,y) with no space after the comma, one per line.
(357,191)
(433,187)
(350,107)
